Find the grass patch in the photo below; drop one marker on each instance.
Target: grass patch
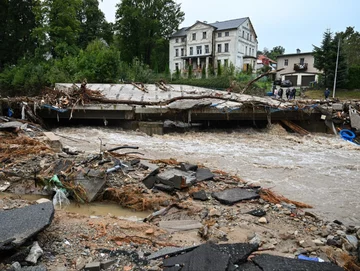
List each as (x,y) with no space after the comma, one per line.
(340,94)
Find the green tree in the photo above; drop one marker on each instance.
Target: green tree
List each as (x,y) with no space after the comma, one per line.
(98,63)
(144,24)
(351,46)
(17,21)
(92,24)
(275,52)
(59,27)
(325,60)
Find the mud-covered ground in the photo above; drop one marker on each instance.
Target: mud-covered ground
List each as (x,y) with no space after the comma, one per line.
(321,170)
(293,165)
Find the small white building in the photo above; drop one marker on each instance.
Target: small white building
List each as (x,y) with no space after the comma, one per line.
(203,45)
(298,68)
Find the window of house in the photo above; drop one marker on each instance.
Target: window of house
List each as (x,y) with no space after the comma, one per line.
(177,40)
(226,47)
(176,52)
(191,51)
(226,62)
(182,51)
(226,33)
(247,36)
(219,48)
(219,35)
(194,36)
(199,50)
(207,49)
(176,66)
(246,50)
(182,39)
(286,62)
(204,35)
(219,63)
(243,35)
(302,60)
(250,37)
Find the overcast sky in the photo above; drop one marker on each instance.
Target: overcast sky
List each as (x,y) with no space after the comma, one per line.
(290,23)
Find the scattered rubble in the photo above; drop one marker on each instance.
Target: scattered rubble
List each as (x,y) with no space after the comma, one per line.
(200,220)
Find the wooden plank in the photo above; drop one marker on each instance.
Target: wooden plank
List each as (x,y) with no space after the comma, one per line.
(295,127)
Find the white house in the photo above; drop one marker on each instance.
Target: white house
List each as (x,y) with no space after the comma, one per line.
(298,68)
(203,45)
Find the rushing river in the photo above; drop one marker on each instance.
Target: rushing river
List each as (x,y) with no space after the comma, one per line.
(320,169)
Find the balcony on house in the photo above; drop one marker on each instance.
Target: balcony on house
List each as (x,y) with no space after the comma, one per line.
(300,66)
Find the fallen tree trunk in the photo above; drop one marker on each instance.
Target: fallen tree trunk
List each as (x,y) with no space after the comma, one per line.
(257,78)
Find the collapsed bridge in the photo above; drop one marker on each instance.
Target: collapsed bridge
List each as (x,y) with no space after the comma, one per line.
(146,107)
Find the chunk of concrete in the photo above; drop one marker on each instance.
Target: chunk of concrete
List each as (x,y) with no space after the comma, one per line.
(18,225)
(203,174)
(94,266)
(4,185)
(337,107)
(188,167)
(152,170)
(354,118)
(234,195)
(200,195)
(180,225)
(176,178)
(11,125)
(53,141)
(35,253)
(93,181)
(269,262)
(164,188)
(107,264)
(149,181)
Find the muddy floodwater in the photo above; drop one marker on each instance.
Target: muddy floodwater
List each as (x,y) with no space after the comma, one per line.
(321,170)
(90,209)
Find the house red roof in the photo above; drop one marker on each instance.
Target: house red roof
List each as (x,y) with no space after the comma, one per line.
(264,59)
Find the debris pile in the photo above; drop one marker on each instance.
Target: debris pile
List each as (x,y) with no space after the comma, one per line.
(343,118)
(200,219)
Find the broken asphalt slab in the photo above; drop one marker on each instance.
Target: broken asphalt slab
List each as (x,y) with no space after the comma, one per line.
(203,174)
(152,170)
(93,181)
(176,178)
(188,167)
(234,195)
(169,251)
(269,262)
(239,252)
(200,195)
(210,256)
(180,225)
(18,225)
(205,257)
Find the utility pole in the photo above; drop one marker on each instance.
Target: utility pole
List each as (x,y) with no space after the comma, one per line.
(336,67)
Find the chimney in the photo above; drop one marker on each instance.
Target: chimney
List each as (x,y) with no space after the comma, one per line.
(298,51)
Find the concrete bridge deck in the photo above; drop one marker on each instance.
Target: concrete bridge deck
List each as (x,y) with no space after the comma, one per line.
(207,105)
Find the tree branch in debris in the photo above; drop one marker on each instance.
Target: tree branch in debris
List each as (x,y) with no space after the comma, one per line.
(259,77)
